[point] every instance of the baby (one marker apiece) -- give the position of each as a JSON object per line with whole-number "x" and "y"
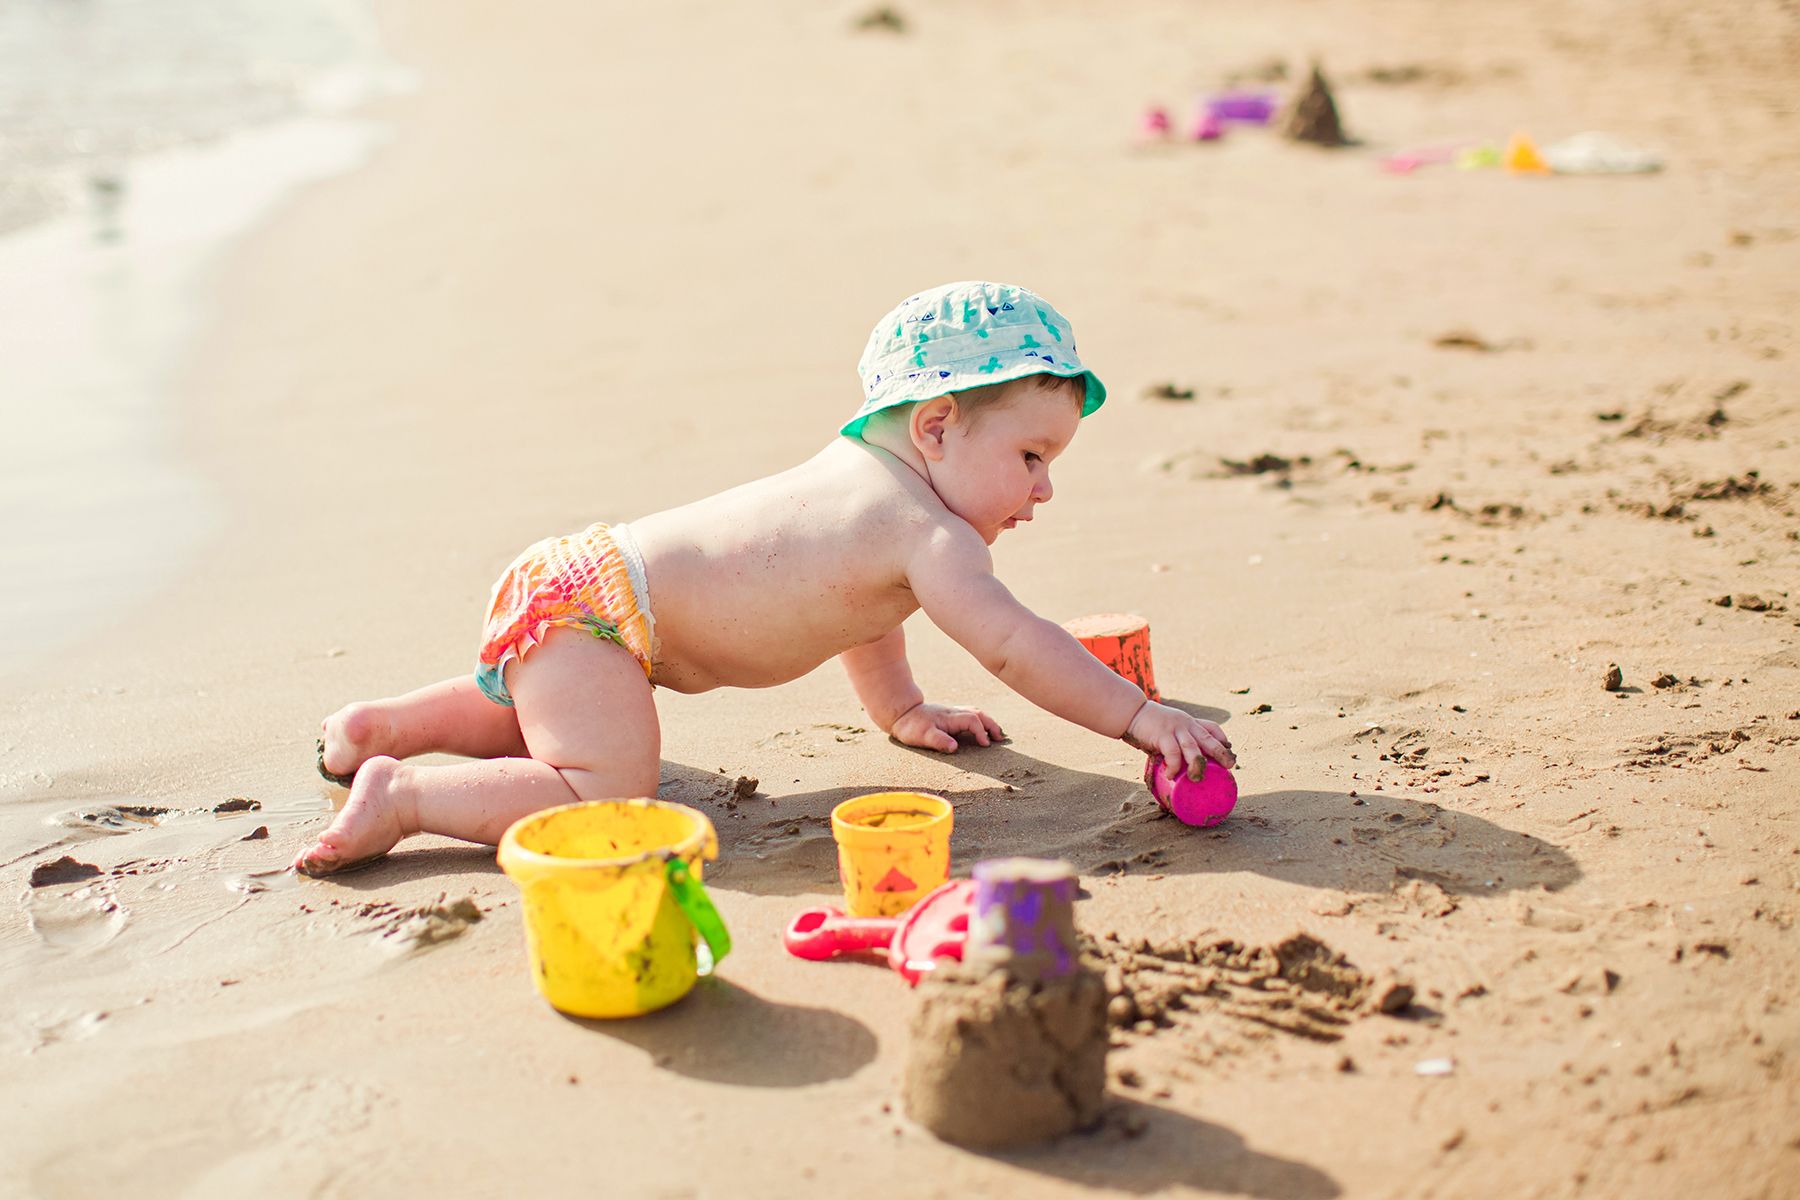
{"x": 971, "y": 391}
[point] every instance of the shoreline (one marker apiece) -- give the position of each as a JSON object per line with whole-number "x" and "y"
{"x": 91, "y": 391}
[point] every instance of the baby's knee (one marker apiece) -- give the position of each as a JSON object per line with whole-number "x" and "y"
{"x": 616, "y": 783}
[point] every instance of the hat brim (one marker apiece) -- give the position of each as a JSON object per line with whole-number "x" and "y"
{"x": 960, "y": 382}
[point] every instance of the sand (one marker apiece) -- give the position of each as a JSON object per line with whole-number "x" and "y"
{"x": 1000, "y": 1063}
{"x": 1508, "y": 432}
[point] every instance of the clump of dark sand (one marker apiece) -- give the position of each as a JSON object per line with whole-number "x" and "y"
{"x": 62, "y": 870}
{"x": 999, "y": 1062}
{"x": 424, "y": 925}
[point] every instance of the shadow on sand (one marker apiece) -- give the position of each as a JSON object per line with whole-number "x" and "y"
{"x": 1143, "y": 1148}
{"x": 1321, "y": 839}
{"x": 1374, "y": 843}
{"x": 785, "y": 1045}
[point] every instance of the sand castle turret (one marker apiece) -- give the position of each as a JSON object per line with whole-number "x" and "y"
{"x": 1313, "y": 116}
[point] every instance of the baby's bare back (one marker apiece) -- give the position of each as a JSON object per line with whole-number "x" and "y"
{"x": 760, "y": 584}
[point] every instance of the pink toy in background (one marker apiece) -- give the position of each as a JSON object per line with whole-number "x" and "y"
{"x": 1203, "y": 802}
{"x": 1206, "y": 127}
{"x": 1153, "y": 126}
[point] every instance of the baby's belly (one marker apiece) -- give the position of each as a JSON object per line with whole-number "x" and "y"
{"x": 756, "y": 651}
{"x": 684, "y": 666}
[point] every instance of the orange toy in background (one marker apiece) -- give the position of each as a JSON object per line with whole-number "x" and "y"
{"x": 1122, "y": 642}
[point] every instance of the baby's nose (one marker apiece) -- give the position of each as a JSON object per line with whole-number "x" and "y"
{"x": 1043, "y": 491}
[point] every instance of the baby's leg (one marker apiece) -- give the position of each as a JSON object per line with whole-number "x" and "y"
{"x": 451, "y": 717}
{"x": 587, "y": 715}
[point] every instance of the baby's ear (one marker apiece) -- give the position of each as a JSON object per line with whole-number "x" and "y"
{"x": 930, "y": 420}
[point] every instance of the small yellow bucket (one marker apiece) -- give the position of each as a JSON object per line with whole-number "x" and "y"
{"x": 613, "y": 903}
{"x": 893, "y": 847}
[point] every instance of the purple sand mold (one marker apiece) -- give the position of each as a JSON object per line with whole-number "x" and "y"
{"x": 1023, "y": 901}
{"x": 1251, "y": 108}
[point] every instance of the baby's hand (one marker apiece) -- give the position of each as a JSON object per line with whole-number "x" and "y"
{"x": 1179, "y": 738}
{"x": 935, "y": 726}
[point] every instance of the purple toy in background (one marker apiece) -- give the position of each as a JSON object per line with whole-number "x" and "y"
{"x": 1203, "y": 802}
{"x": 1248, "y": 108}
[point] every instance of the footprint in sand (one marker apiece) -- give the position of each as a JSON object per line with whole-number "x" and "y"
{"x": 102, "y": 819}
{"x": 801, "y": 846}
{"x": 49, "y": 1032}
{"x": 75, "y": 918}
{"x": 310, "y": 1110}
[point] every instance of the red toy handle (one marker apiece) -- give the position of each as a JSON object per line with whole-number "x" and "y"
{"x": 822, "y": 933}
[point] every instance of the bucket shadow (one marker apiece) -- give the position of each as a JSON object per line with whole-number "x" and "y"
{"x": 1204, "y": 712}
{"x": 723, "y": 1033}
{"x": 1143, "y": 1148}
{"x": 1374, "y": 843}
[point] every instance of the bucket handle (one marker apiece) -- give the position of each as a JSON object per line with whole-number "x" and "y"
{"x": 697, "y": 906}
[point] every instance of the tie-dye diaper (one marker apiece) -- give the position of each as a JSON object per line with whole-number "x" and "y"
{"x": 592, "y": 580}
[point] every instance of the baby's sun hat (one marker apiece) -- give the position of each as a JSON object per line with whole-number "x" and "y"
{"x": 965, "y": 335}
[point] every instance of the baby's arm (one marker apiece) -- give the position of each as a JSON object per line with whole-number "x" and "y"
{"x": 953, "y": 579}
{"x": 884, "y": 683}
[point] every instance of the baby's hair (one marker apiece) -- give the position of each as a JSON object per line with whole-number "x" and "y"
{"x": 972, "y": 401}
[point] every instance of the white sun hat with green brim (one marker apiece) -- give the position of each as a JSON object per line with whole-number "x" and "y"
{"x": 965, "y": 335}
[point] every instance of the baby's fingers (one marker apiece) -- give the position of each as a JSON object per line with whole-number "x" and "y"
{"x": 992, "y": 726}
{"x": 1191, "y": 753}
{"x": 1214, "y": 748}
{"x": 934, "y": 737}
{"x": 1170, "y": 749}
{"x": 972, "y": 724}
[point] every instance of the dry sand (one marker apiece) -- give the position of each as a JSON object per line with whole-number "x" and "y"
{"x": 619, "y": 255}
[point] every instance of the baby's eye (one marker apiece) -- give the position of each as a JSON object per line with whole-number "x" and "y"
{"x": 1031, "y": 457}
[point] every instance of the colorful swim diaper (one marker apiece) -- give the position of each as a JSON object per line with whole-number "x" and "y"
{"x": 592, "y": 580}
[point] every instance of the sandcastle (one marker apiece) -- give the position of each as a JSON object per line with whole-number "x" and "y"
{"x": 1009, "y": 1047}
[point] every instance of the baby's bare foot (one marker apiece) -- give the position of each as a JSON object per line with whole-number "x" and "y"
{"x": 351, "y": 736}
{"x": 373, "y": 819}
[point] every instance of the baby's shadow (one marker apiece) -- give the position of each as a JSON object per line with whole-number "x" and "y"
{"x": 1103, "y": 825}
{"x": 1143, "y": 1148}
{"x": 724, "y": 1033}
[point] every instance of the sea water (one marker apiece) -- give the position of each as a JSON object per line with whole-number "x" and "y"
{"x": 137, "y": 137}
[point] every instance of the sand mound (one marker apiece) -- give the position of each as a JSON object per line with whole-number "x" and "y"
{"x": 999, "y": 1063}
{"x": 1299, "y": 985}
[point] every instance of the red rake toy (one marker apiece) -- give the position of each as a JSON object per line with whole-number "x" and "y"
{"x": 936, "y": 927}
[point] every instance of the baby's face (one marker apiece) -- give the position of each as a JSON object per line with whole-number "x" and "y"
{"x": 995, "y": 469}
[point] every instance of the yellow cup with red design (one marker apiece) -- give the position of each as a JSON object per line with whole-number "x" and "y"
{"x": 893, "y": 848}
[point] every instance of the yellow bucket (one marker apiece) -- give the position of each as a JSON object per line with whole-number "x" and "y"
{"x": 614, "y": 902}
{"x": 893, "y": 847}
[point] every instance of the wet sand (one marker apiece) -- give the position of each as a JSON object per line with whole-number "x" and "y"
{"x": 1491, "y": 436}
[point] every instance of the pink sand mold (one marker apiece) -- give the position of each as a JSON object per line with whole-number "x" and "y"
{"x": 1407, "y": 161}
{"x": 1203, "y": 802}
{"x": 935, "y": 928}
{"x": 1206, "y": 128}
{"x": 1154, "y": 124}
